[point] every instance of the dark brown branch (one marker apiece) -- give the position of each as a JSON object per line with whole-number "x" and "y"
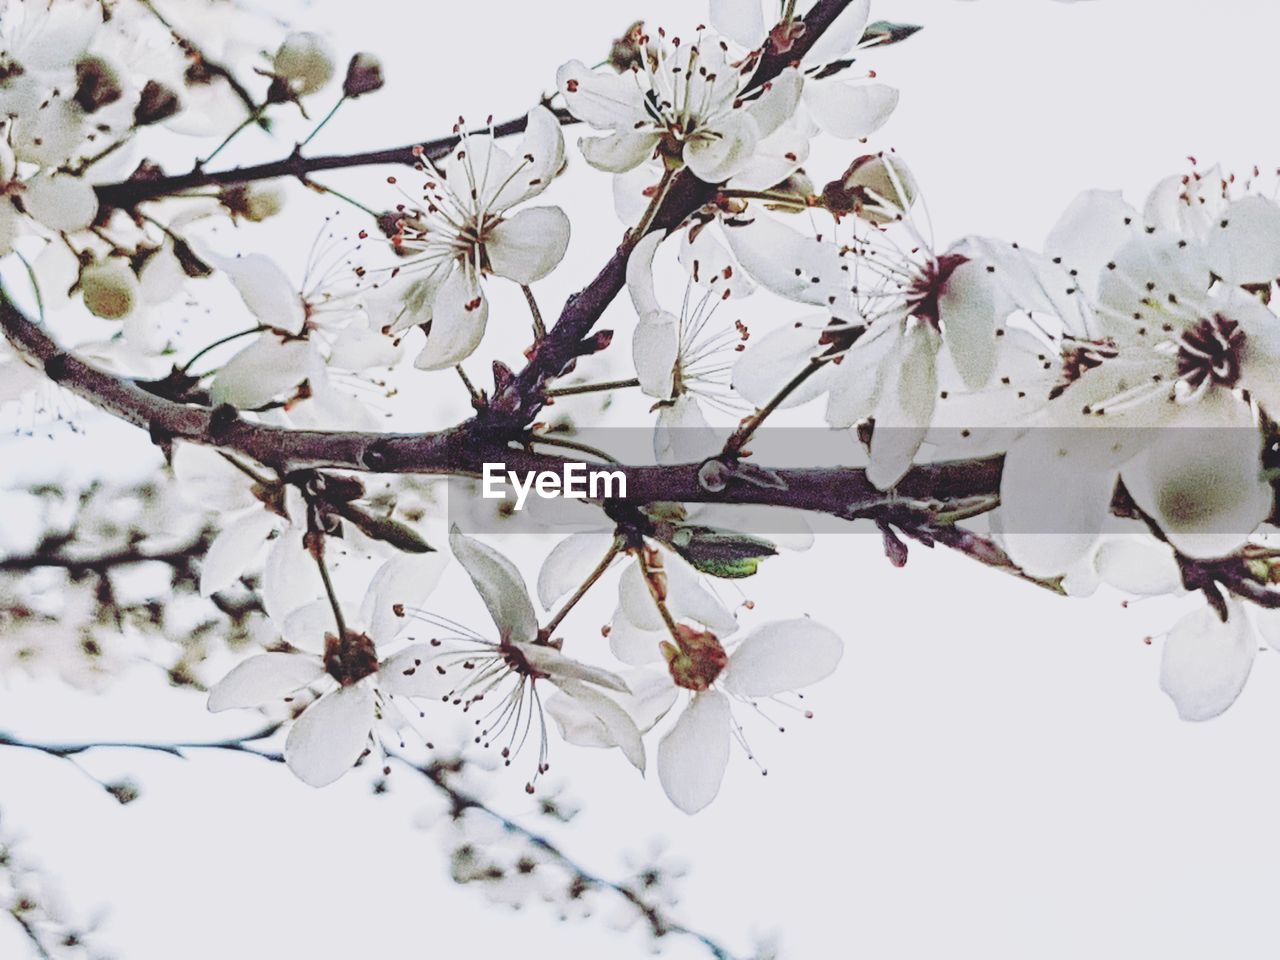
{"x": 129, "y": 193}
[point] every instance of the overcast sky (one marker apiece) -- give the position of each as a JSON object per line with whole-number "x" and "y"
{"x": 992, "y": 771}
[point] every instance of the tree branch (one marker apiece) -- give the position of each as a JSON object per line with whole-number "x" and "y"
{"x": 129, "y": 193}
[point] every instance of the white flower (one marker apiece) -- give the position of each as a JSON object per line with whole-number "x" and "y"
{"x": 465, "y": 231}
{"x": 1157, "y": 396}
{"x": 895, "y": 306}
{"x": 468, "y": 670}
{"x": 333, "y": 732}
{"x": 771, "y": 660}
{"x": 305, "y": 62}
{"x": 839, "y": 107}
{"x": 680, "y": 360}
{"x": 687, "y": 102}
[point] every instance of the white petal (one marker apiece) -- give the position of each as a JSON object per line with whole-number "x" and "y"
{"x": 60, "y": 201}
{"x": 777, "y": 104}
{"x": 655, "y": 345}
{"x": 682, "y": 433}
{"x": 399, "y": 587}
{"x": 694, "y": 753}
{"x": 790, "y": 263}
{"x": 1052, "y": 507}
{"x": 742, "y": 21}
{"x": 543, "y": 141}
{"x": 841, "y": 36}
{"x": 458, "y": 319}
{"x": 1206, "y": 662}
{"x": 1203, "y": 484}
{"x": 614, "y": 723}
{"x": 640, "y": 274}
{"x": 857, "y": 382}
{"x": 330, "y": 736}
{"x": 558, "y": 668}
{"x": 500, "y": 586}
{"x": 262, "y": 371}
{"x": 905, "y": 407}
{"x": 713, "y": 159}
{"x": 263, "y": 679}
{"x": 1086, "y": 237}
{"x": 781, "y": 656}
{"x": 529, "y": 245}
{"x": 1244, "y": 246}
{"x": 848, "y": 110}
{"x": 711, "y": 266}
{"x": 652, "y": 696}
{"x": 772, "y": 360}
{"x": 1139, "y": 564}
{"x": 265, "y": 290}
{"x": 602, "y": 98}
{"x": 689, "y": 597}
{"x": 419, "y": 671}
{"x": 634, "y": 645}
{"x": 233, "y": 549}
{"x": 307, "y": 627}
{"x": 618, "y": 152}
{"x": 290, "y": 577}
{"x": 570, "y": 563}
{"x": 357, "y": 347}
{"x": 967, "y": 307}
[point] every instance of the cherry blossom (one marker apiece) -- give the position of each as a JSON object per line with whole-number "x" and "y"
{"x": 464, "y": 230}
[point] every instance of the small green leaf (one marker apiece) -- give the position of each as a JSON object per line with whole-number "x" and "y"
{"x": 390, "y": 531}
{"x": 882, "y": 32}
{"x": 721, "y": 553}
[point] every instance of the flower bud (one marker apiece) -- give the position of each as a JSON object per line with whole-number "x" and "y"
{"x": 364, "y": 75}
{"x": 627, "y": 51}
{"x": 110, "y": 288}
{"x": 253, "y": 202}
{"x": 96, "y": 84}
{"x": 156, "y": 103}
{"x": 305, "y": 62}
{"x": 877, "y": 188}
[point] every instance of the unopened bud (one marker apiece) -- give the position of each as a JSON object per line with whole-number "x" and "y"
{"x": 364, "y": 75}
{"x": 305, "y": 62}
{"x": 110, "y": 288}
{"x": 253, "y": 202}
{"x": 626, "y": 51}
{"x": 96, "y": 84}
{"x": 877, "y": 188}
{"x": 156, "y": 103}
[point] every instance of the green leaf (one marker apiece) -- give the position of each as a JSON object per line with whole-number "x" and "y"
{"x": 721, "y": 553}
{"x": 390, "y": 531}
{"x": 882, "y": 32}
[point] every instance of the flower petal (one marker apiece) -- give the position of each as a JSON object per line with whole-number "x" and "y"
{"x": 500, "y": 587}
{"x": 841, "y": 36}
{"x": 1244, "y": 246}
{"x": 742, "y": 21}
{"x": 1206, "y": 662}
{"x": 618, "y": 152}
{"x": 905, "y": 406}
{"x": 458, "y": 318}
{"x": 60, "y": 201}
{"x": 613, "y": 724}
{"x": 265, "y": 289}
{"x": 416, "y": 671}
{"x": 777, "y": 103}
{"x": 399, "y": 587}
{"x": 713, "y": 159}
{"x": 603, "y": 99}
{"x": 655, "y": 347}
{"x": 542, "y": 153}
{"x": 262, "y": 371}
{"x": 331, "y": 735}
{"x": 782, "y": 656}
{"x": 529, "y": 245}
{"x": 1139, "y": 564}
{"x": 263, "y": 679}
{"x": 570, "y": 563}
{"x": 848, "y": 110}
{"x": 967, "y": 307}
{"x": 693, "y": 755}
{"x": 234, "y": 548}
{"x": 790, "y": 263}
{"x": 1089, "y": 232}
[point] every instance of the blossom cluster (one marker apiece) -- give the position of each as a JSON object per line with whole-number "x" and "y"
{"x": 1124, "y": 371}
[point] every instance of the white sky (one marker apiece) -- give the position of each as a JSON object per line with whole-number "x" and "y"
{"x": 992, "y": 771}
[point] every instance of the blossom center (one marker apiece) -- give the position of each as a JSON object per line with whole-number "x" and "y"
{"x": 697, "y": 660}
{"x": 1211, "y": 353}
{"x": 351, "y": 658}
{"x": 923, "y": 295}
